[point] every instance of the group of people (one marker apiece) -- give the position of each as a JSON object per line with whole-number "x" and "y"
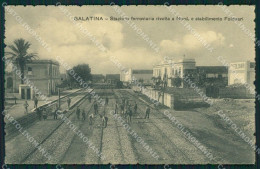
{"x": 26, "y": 105}
{"x": 83, "y": 114}
{"x": 92, "y": 115}
{"x": 127, "y": 110}
{"x": 42, "y": 112}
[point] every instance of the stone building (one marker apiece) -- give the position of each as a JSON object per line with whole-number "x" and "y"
{"x": 45, "y": 76}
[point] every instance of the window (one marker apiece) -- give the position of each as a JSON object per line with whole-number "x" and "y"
{"x": 252, "y": 65}
{"x": 29, "y": 69}
{"x": 210, "y": 75}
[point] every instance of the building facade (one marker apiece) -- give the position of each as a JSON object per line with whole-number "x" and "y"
{"x": 141, "y": 75}
{"x": 98, "y": 78}
{"x": 213, "y": 75}
{"x": 45, "y": 76}
{"x": 241, "y": 72}
{"x": 112, "y": 78}
{"x": 169, "y": 70}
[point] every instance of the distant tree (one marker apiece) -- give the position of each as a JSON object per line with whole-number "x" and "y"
{"x": 200, "y": 79}
{"x": 119, "y": 84}
{"x": 19, "y": 55}
{"x": 141, "y": 80}
{"x": 82, "y": 71}
{"x": 176, "y": 82}
{"x": 64, "y": 83}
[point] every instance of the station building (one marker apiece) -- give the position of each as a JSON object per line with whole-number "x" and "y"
{"x": 45, "y": 76}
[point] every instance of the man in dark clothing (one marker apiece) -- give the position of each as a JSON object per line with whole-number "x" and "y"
{"x": 56, "y": 114}
{"x": 35, "y": 102}
{"x": 68, "y": 101}
{"x": 106, "y": 100}
{"x": 116, "y": 108}
{"x": 89, "y": 99}
{"x": 83, "y": 115}
{"x": 129, "y": 115}
{"x": 135, "y": 107}
{"x": 104, "y": 121}
{"x": 78, "y": 112}
{"x": 91, "y": 117}
{"x": 147, "y": 112}
{"x": 95, "y": 108}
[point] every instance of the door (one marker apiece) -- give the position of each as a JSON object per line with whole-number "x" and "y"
{"x": 29, "y": 93}
{"x": 23, "y": 94}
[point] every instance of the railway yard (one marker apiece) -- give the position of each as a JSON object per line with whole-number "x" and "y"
{"x": 61, "y": 142}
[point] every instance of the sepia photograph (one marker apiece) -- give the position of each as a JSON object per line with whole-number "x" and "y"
{"x": 159, "y": 84}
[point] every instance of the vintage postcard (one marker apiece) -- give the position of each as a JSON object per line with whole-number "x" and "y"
{"x": 116, "y": 84}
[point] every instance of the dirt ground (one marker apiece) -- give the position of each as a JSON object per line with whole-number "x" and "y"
{"x": 160, "y": 133}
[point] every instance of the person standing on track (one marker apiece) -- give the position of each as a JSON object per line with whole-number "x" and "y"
{"x": 116, "y": 108}
{"x": 104, "y": 121}
{"x": 91, "y": 117}
{"x": 129, "y": 114}
{"x": 95, "y": 108}
{"x": 35, "y": 102}
{"x": 135, "y": 107}
{"x": 147, "y": 112}
{"x": 78, "y": 112}
{"x": 83, "y": 115}
{"x": 68, "y": 101}
{"x": 26, "y": 105}
{"x": 106, "y": 100}
{"x": 56, "y": 114}
{"x": 122, "y": 107}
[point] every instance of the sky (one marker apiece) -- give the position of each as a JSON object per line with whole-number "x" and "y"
{"x": 124, "y": 43}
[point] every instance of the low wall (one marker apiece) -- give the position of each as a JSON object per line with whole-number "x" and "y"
{"x": 178, "y": 98}
{"x": 235, "y": 93}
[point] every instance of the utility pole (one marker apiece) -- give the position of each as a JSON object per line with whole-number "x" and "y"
{"x": 59, "y": 97}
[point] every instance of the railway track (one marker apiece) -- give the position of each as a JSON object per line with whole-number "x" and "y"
{"x": 30, "y": 119}
{"x": 72, "y": 136}
{"x": 141, "y": 103}
{"x": 54, "y": 130}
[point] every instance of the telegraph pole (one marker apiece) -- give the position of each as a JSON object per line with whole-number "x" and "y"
{"x": 59, "y": 97}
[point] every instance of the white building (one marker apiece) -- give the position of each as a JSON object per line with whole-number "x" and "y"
{"x": 170, "y": 69}
{"x": 241, "y": 72}
{"x": 141, "y": 75}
